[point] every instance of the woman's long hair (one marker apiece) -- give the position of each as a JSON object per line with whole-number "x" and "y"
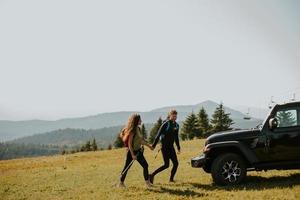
{"x": 132, "y": 123}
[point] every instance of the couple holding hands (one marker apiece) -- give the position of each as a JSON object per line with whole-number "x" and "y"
{"x": 168, "y": 134}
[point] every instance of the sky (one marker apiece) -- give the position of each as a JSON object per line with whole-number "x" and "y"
{"x": 71, "y": 58}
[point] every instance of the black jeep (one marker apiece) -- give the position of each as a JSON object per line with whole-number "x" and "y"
{"x": 273, "y": 145}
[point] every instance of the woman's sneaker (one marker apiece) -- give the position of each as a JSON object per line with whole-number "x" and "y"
{"x": 120, "y": 185}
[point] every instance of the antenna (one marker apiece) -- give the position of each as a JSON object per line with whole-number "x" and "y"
{"x": 271, "y": 102}
{"x": 294, "y": 97}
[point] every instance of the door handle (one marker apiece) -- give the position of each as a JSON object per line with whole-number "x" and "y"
{"x": 268, "y": 142}
{"x": 267, "y": 145}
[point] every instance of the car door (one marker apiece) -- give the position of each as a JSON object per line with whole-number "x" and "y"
{"x": 284, "y": 140}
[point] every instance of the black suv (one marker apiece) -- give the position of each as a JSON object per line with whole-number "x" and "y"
{"x": 273, "y": 145}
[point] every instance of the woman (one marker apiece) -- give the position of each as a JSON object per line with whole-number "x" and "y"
{"x": 135, "y": 150}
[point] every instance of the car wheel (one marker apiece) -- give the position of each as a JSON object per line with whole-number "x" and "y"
{"x": 228, "y": 169}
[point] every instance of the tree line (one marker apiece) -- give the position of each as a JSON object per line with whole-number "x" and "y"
{"x": 200, "y": 126}
{"x": 194, "y": 126}
{"x": 88, "y": 146}
{"x": 13, "y": 150}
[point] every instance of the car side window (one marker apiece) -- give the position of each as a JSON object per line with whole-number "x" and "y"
{"x": 287, "y": 118}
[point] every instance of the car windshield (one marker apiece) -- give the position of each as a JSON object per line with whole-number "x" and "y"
{"x": 260, "y": 126}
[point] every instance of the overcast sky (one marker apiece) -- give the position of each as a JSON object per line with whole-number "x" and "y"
{"x": 70, "y": 58}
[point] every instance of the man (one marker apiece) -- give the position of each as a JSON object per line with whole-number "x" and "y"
{"x": 168, "y": 134}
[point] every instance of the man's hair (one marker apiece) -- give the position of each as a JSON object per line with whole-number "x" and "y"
{"x": 173, "y": 112}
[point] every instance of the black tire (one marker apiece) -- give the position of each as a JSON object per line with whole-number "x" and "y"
{"x": 228, "y": 169}
{"x": 206, "y": 168}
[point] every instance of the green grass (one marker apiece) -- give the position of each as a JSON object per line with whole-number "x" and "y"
{"x": 92, "y": 176}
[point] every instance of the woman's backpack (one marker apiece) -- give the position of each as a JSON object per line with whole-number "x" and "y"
{"x": 124, "y": 135}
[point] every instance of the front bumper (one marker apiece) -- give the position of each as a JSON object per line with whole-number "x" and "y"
{"x": 199, "y": 161}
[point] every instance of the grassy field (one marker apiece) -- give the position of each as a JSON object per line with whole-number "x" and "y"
{"x": 92, "y": 176}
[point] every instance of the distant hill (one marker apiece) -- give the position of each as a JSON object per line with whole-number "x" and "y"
{"x": 256, "y": 112}
{"x": 15, "y": 150}
{"x": 74, "y": 137}
{"x": 54, "y": 142}
{"x": 71, "y": 137}
{"x": 16, "y": 129}
{"x": 209, "y": 106}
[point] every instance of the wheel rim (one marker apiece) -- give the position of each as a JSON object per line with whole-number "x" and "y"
{"x": 231, "y": 171}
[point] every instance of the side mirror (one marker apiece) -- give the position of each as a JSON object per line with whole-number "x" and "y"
{"x": 273, "y": 123}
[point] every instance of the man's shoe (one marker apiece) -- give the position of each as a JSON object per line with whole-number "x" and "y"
{"x": 120, "y": 185}
{"x": 151, "y": 178}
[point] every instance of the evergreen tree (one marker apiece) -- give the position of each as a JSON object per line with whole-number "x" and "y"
{"x": 63, "y": 152}
{"x": 144, "y": 132}
{"x": 94, "y": 145}
{"x": 109, "y": 147}
{"x": 190, "y": 127}
{"x": 154, "y": 130}
{"x": 286, "y": 118}
{"x": 203, "y": 123}
{"x": 88, "y": 146}
{"x": 82, "y": 148}
{"x": 221, "y": 121}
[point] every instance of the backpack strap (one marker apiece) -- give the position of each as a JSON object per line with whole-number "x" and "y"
{"x": 168, "y": 127}
{"x": 177, "y": 125}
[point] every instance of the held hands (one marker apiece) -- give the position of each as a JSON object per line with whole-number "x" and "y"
{"x": 133, "y": 157}
{"x": 148, "y": 145}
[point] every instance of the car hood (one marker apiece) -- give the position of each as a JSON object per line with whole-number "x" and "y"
{"x": 235, "y": 135}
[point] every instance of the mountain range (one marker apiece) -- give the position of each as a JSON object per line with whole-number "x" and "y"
{"x": 10, "y": 130}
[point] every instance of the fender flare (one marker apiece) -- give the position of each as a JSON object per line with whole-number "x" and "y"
{"x": 247, "y": 153}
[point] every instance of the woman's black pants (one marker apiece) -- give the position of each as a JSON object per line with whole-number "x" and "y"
{"x": 141, "y": 159}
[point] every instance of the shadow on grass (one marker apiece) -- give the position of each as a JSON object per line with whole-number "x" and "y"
{"x": 178, "y": 192}
{"x": 251, "y": 183}
{"x": 256, "y": 183}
